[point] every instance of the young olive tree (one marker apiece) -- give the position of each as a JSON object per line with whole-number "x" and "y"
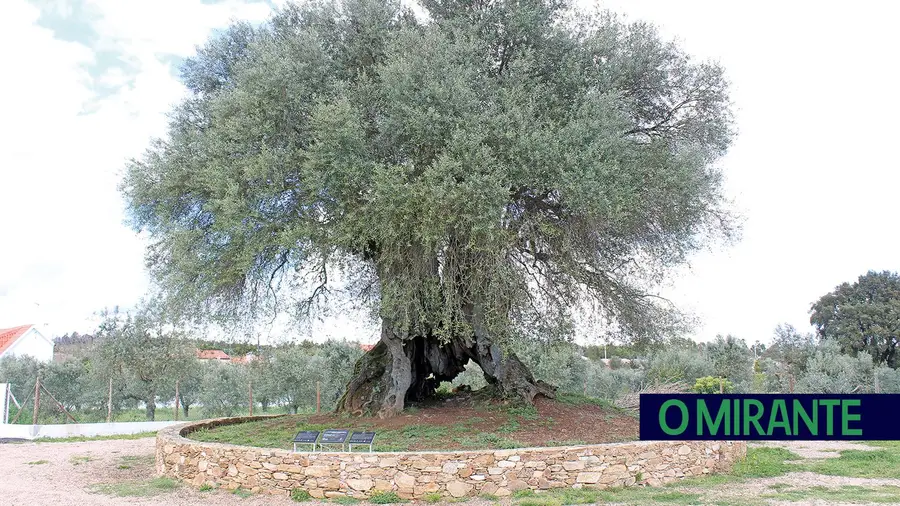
{"x": 473, "y": 175}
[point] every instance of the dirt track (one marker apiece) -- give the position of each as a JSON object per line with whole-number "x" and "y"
{"x": 73, "y": 470}
{"x": 70, "y": 473}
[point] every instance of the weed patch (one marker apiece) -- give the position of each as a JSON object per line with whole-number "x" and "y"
{"x": 146, "y": 488}
{"x": 883, "y": 463}
{"x": 300, "y": 495}
{"x": 385, "y": 498}
{"x": 764, "y": 463}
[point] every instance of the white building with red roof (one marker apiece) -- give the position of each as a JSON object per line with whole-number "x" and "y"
{"x": 213, "y": 355}
{"x": 25, "y": 341}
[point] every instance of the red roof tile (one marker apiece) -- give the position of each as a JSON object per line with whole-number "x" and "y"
{"x": 9, "y": 336}
{"x": 212, "y": 355}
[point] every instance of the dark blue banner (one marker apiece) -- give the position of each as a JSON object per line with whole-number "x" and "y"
{"x": 803, "y": 417}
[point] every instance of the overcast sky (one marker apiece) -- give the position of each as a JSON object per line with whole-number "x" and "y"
{"x": 813, "y": 170}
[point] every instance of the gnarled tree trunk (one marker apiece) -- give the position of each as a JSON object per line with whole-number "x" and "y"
{"x": 398, "y": 370}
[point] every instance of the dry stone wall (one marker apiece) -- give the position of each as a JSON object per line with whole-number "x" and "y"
{"x": 416, "y": 474}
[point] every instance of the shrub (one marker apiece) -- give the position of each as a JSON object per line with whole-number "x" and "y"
{"x": 679, "y": 365}
{"x": 711, "y": 385}
{"x": 830, "y": 371}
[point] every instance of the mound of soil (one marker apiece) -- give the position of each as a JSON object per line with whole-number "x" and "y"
{"x": 461, "y": 422}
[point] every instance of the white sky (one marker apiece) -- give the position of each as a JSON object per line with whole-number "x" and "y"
{"x": 814, "y": 171}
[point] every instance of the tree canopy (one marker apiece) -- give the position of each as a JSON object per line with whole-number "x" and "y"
{"x": 473, "y": 174}
{"x": 862, "y": 316}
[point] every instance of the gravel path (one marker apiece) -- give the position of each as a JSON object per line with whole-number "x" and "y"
{"x": 816, "y": 449}
{"x": 49, "y": 474}
{"x": 72, "y": 470}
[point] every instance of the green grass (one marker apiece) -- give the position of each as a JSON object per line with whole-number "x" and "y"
{"x": 277, "y": 433}
{"x": 764, "y": 463}
{"x": 82, "y": 439}
{"x": 346, "y": 500}
{"x": 242, "y": 493}
{"x": 146, "y": 488}
{"x": 300, "y": 495}
{"x": 883, "y": 463}
{"x": 206, "y": 487}
{"x": 77, "y": 460}
{"x": 629, "y": 495}
{"x": 385, "y": 498}
{"x": 38, "y": 462}
{"x": 845, "y": 494}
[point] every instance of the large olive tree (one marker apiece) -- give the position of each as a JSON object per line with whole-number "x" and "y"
{"x": 475, "y": 173}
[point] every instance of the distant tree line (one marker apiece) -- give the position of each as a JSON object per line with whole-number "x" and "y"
{"x": 137, "y": 360}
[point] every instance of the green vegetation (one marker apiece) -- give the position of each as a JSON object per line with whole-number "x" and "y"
{"x": 711, "y": 385}
{"x": 385, "y": 498}
{"x": 206, "y": 487}
{"x": 764, "y": 462}
{"x": 80, "y": 459}
{"x": 242, "y": 493}
{"x": 277, "y": 432}
{"x": 884, "y": 463}
{"x": 432, "y": 498}
{"x": 487, "y": 109}
{"x": 81, "y": 439}
{"x": 146, "y": 488}
{"x": 346, "y": 500}
{"x": 300, "y": 495}
{"x": 38, "y": 462}
{"x": 844, "y": 494}
{"x": 629, "y": 495}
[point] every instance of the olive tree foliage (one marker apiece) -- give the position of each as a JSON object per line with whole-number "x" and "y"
{"x": 863, "y": 316}
{"x": 731, "y": 359}
{"x": 297, "y": 372}
{"x": 831, "y": 371}
{"x": 142, "y": 354}
{"x": 789, "y": 355}
{"x": 679, "y": 365}
{"x": 471, "y": 177}
{"x": 224, "y": 389}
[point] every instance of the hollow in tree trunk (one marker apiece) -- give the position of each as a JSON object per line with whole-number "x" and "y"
{"x": 399, "y": 370}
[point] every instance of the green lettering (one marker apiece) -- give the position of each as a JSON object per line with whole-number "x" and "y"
{"x": 737, "y": 417}
{"x": 846, "y": 417}
{"x": 829, "y": 415}
{"x": 662, "y": 417}
{"x": 811, "y": 423}
{"x": 754, "y": 418}
{"x": 703, "y": 416}
{"x": 779, "y": 407}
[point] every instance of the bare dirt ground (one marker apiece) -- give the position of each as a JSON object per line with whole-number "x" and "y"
{"x": 89, "y": 473}
{"x": 50, "y": 474}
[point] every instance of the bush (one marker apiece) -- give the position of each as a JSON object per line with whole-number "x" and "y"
{"x": 711, "y": 385}
{"x": 679, "y": 365}
{"x": 831, "y": 372}
{"x": 610, "y": 384}
{"x": 888, "y": 380}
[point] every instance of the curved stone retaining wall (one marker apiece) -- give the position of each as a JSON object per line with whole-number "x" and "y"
{"x": 451, "y": 473}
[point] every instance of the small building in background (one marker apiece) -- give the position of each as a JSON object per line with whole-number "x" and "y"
{"x": 214, "y": 355}
{"x": 25, "y": 341}
{"x": 244, "y": 360}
